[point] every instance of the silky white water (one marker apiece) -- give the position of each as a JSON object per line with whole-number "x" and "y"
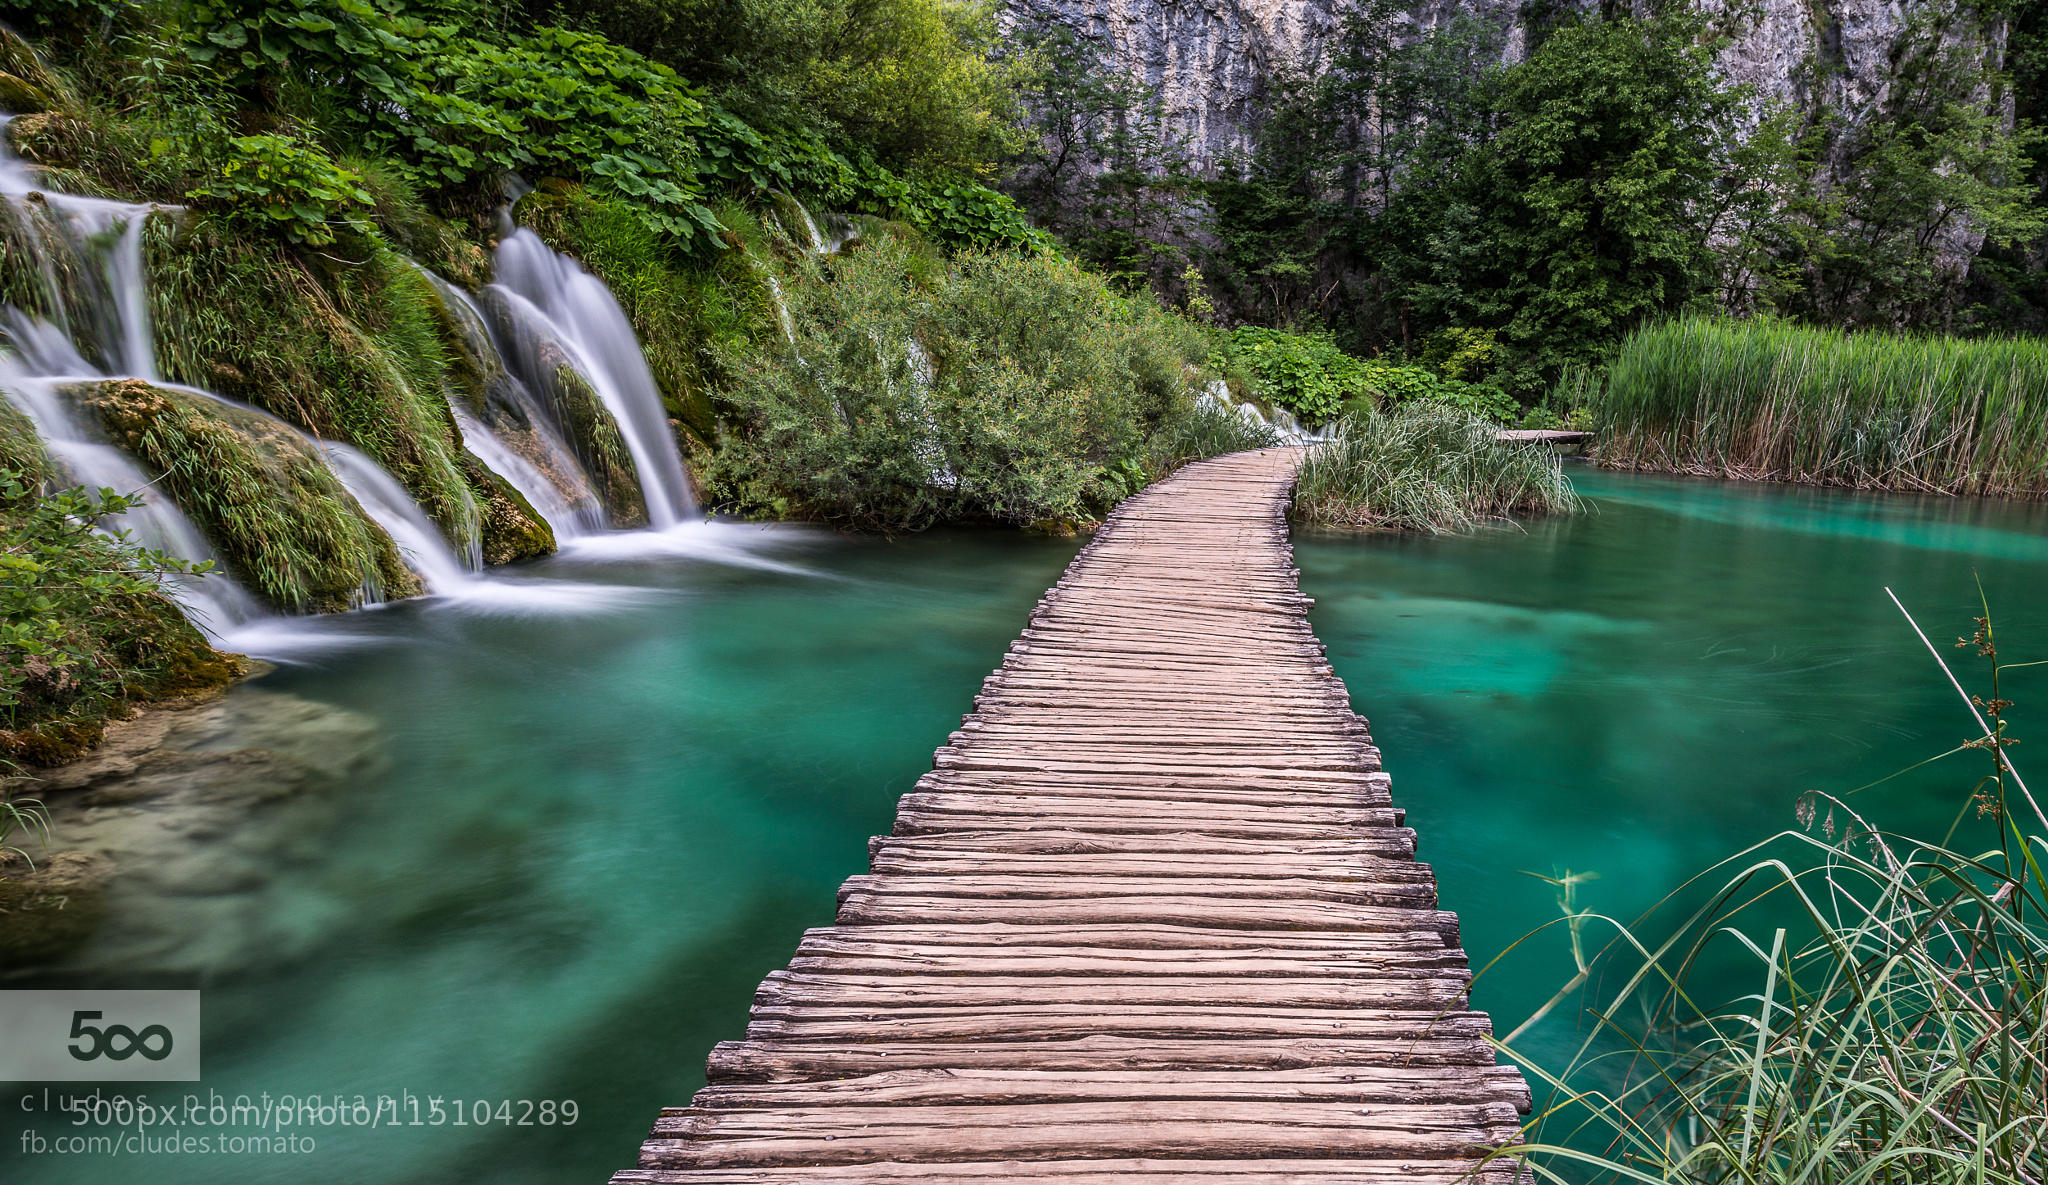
{"x": 559, "y": 303}
{"x": 569, "y": 512}
{"x": 101, "y": 244}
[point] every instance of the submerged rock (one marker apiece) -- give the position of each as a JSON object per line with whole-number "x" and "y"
{"x": 166, "y": 841}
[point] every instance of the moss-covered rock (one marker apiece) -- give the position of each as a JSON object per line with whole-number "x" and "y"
{"x": 512, "y": 529}
{"x": 348, "y": 350}
{"x": 21, "y": 96}
{"x": 594, "y": 435}
{"x": 262, "y": 495}
{"x": 21, "y": 450}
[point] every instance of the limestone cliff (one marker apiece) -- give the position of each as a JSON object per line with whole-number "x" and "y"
{"x": 1210, "y": 61}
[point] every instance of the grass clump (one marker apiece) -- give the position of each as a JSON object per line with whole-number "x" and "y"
{"x": 1771, "y": 400}
{"x": 1426, "y": 466}
{"x": 280, "y": 518}
{"x": 1895, "y": 1033}
{"x": 86, "y": 624}
{"x": 990, "y": 386}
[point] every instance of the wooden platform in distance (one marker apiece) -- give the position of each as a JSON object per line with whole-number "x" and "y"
{"x": 1152, "y": 919}
{"x": 1553, "y": 436}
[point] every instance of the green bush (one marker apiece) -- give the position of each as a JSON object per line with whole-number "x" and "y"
{"x": 288, "y": 186}
{"x": 1305, "y": 373}
{"x": 1391, "y": 383}
{"x": 1426, "y": 466}
{"x": 999, "y": 387}
{"x": 85, "y": 624}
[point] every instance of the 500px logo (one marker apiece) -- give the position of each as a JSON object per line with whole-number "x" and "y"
{"x": 117, "y": 1041}
{"x": 99, "y": 1036}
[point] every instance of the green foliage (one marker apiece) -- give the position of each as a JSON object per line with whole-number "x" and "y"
{"x": 458, "y": 111}
{"x": 85, "y": 619}
{"x": 288, "y": 186}
{"x": 914, "y": 85}
{"x": 1392, "y": 383}
{"x": 1304, "y": 373}
{"x": 1426, "y": 467}
{"x": 997, "y": 386}
{"x": 1769, "y": 399}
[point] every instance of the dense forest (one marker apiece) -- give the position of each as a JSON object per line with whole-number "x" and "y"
{"x": 1506, "y": 215}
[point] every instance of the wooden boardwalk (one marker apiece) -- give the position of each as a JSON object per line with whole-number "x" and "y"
{"x": 1153, "y": 916}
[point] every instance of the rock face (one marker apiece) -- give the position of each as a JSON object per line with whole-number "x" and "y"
{"x": 1211, "y": 62}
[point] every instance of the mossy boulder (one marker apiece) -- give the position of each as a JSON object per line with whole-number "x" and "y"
{"x": 512, "y": 529}
{"x": 349, "y": 350}
{"x": 259, "y": 491}
{"x": 21, "y": 96}
{"x": 594, "y": 435}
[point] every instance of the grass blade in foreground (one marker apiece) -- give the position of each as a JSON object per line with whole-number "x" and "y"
{"x": 1896, "y": 1034}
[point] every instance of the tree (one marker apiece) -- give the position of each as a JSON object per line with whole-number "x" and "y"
{"x": 1937, "y": 168}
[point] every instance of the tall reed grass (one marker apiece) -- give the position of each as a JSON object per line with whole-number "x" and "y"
{"x": 1774, "y": 401}
{"x": 1426, "y": 466}
{"x": 1895, "y": 1032}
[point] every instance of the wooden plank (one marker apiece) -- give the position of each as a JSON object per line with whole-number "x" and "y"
{"x": 1153, "y": 917}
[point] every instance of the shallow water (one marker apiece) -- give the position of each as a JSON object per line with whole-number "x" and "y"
{"x": 594, "y": 821}
{"x": 1646, "y": 689}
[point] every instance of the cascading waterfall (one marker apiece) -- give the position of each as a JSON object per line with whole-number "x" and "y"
{"x": 552, "y": 481}
{"x": 550, "y": 300}
{"x": 98, "y": 305}
{"x": 419, "y": 541}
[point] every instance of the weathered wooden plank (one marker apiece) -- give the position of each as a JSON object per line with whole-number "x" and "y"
{"x": 782, "y": 1061}
{"x": 1136, "y": 1171}
{"x": 1152, "y": 918}
{"x": 1360, "y": 1084}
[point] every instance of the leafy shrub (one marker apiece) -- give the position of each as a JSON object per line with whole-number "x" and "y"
{"x": 1426, "y": 466}
{"x": 1004, "y": 387}
{"x": 1391, "y": 383}
{"x": 286, "y": 185}
{"x": 1304, "y": 373}
{"x": 85, "y": 623}
{"x": 461, "y": 111}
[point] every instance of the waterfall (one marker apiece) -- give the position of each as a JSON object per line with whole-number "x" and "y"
{"x": 552, "y": 481}
{"x": 425, "y": 549}
{"x": 551, "y": 299}
{"x": 1283, "y": 422}
{"x": 104, "y": 314}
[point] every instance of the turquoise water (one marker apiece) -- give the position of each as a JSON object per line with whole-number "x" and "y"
{"x": 592, "y": 833}
{"x": 1645, "y": 690}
